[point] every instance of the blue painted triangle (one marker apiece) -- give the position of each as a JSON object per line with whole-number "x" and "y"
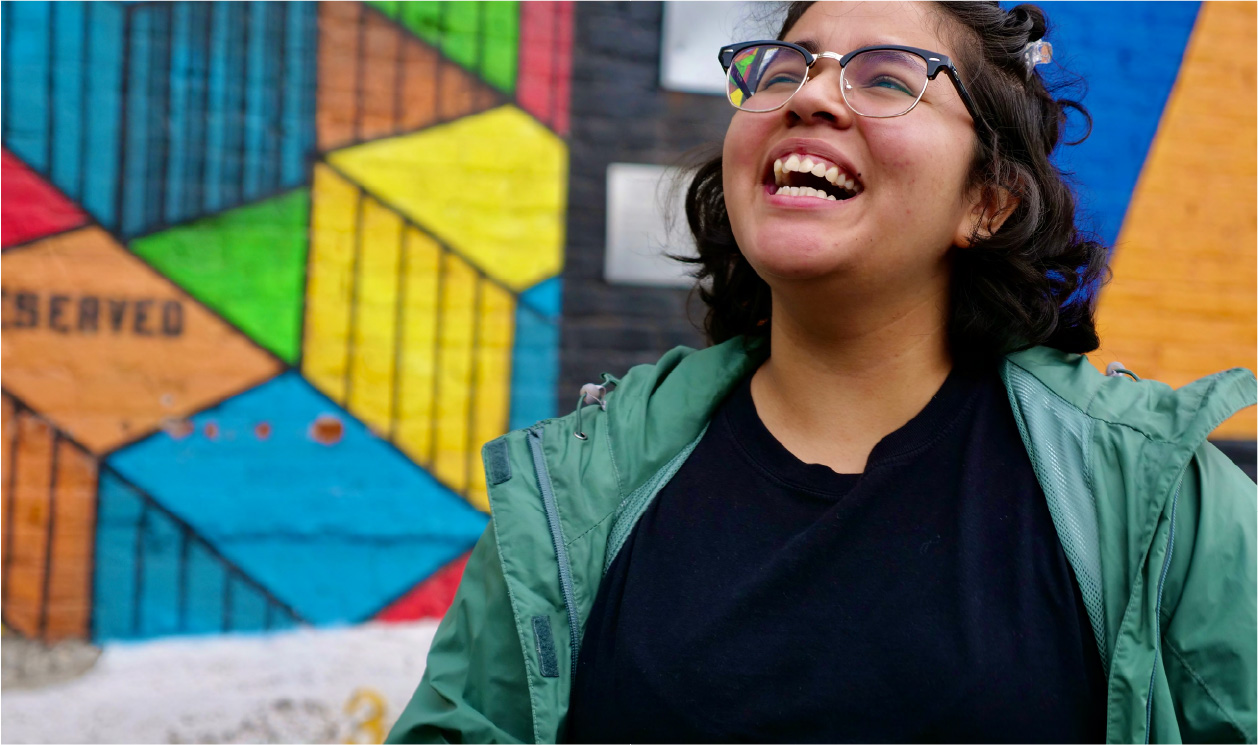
{"x": 1129, "y": 54}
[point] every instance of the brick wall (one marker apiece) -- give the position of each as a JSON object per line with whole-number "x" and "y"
{"x": 620, "y": 114}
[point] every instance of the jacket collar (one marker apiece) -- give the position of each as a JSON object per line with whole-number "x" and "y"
{"x": 657, "y": 410}
{"x": 1186, "y": 415}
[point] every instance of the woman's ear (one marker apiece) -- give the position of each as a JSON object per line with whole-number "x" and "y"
{"x": 989, "y": 208}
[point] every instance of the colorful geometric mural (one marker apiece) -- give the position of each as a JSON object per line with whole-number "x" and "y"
{"x": 253, "y": 337}
{"x": 272, "y": 272}
{"x": 1182, "y": 304}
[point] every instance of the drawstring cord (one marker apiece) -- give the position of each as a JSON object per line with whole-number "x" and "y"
{"x": 592, "y": 393}
{"x": 1115, "y": 369}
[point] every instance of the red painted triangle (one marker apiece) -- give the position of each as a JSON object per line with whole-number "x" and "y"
{"x": 30, "y": 207}
{"x": 430, "y": 598}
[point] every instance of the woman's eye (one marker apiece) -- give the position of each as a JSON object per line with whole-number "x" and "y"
{"x": 890, "y": 84}
{"x": 779, "y": 80}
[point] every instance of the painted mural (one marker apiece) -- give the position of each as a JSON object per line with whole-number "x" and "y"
{"x": 272, "y": 272}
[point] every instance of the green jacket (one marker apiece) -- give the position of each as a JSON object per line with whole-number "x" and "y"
{"x": 1157, "y": 524}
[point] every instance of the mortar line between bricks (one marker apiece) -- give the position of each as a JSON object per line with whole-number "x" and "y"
{"x": 90, "y": 621}
{"x": 120, "y": 177}
{"x": 227, "y": 602}
{"x": 360, "y": 63}
{"x": 278, "y": 98}
{"x": 9, "y": 507}
{"x": 185, "y": 544}
{"x": 552, "y": 94}
{"x": 399, "y": 80}
{"x": 196, "y": 192}
{"x": 399, "y": 322}
{"x": 50, "y": 152}
{"x": 442, "y": 259}
{"x": 54, "y": 463}
{"x": 6, "y": 8}
{"x": 137, "y": 586}
{"x": 478, "y": 319}
{"x": 351, "y": 340}
{"x": 84, "y": 88}
{"x": 247, "y": 10}
{"x": 438, "y": 111}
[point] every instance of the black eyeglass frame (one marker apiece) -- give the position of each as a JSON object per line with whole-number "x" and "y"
{"x": 934, "y": 63}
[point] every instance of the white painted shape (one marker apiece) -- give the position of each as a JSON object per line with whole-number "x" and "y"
{"x": 290, "y": 686}
{"x": 646, "y": 221}
{"x": 693, "y": 32}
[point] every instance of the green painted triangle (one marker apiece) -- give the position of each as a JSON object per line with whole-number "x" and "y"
{"x": 247, "y": 263}
{"x": 482, "y": 37}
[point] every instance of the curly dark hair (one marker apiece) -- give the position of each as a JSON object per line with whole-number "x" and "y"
{"x": 1032, "y": 281}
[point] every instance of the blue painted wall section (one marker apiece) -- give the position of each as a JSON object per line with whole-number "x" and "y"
{"x": 1129, "y": 53}
{"x": 156, "y": 576}
{"x": 347, "y": 523}
{"x": 151, "y": 114}
{"x": 535, "y": 356}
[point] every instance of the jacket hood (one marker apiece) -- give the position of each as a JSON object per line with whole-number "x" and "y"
{"x": 1185, "y": 415}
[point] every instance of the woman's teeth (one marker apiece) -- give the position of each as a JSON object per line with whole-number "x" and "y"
{"x": 818, "y": 168}
{"x": 804, "y": 191}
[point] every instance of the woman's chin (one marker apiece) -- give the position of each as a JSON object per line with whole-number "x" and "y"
{"x": 796, "y": 263}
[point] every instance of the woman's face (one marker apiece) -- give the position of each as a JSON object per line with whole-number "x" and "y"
{"x": 910, "y": 171}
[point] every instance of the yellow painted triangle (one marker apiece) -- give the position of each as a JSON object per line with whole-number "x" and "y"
{"x": 492, "y": 185}
{"x": 1182, "y": 302}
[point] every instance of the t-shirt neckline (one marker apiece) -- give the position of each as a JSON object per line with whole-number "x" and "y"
{"x": 764, "y": 450}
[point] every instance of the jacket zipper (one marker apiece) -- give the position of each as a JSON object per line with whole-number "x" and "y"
{"x": 1157, "y": 616}
{"x": 556, "y": 535}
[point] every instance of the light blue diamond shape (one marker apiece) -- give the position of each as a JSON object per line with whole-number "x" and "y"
{"x": 336, "y": 531}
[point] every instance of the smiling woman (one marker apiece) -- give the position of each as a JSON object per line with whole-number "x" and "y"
{"x": 893, "y": 501}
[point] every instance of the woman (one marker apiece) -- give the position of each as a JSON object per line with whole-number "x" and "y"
{"x": 892, "y": 502}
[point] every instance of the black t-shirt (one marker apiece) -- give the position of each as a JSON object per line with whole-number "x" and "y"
{"x": 760, "y": 598}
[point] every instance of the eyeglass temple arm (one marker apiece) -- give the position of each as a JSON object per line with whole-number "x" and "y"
{"x": 966, "y": 99}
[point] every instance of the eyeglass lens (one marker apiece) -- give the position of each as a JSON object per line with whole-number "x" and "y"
{"x": 878, "y": 82}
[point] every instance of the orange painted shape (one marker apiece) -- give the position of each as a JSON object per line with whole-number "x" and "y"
{"x": 1182, "y": 303}
{"x": 73, "y": 542}
{"x": 8, "y": 431}
{"x": 107, "y": 349}
{"x": 48, "y": 568}
{"x": 376, "y": 79}
{"x": 25, "y": 558}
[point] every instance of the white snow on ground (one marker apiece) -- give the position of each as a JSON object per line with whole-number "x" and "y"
{"x": 303, "y": 686}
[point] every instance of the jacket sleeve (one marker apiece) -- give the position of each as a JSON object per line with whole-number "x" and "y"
{"x": 1210, "y": 648}
{"x": 474, "y": 687}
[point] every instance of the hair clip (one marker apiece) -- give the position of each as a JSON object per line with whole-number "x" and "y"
{"x": 1036, "y": 53}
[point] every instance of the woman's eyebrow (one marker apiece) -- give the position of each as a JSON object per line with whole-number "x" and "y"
{"x": 812, "y": 46}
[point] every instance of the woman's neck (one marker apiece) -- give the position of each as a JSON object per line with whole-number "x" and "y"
{"x": 838, "y": 382}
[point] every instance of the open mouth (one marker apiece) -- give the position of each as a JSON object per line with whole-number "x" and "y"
{"x": 811, "y": 176}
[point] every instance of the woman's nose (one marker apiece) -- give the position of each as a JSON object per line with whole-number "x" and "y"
{"x": 821, "y": 97}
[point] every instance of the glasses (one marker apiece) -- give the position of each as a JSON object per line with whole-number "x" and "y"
{"x": 878, "y": 82}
